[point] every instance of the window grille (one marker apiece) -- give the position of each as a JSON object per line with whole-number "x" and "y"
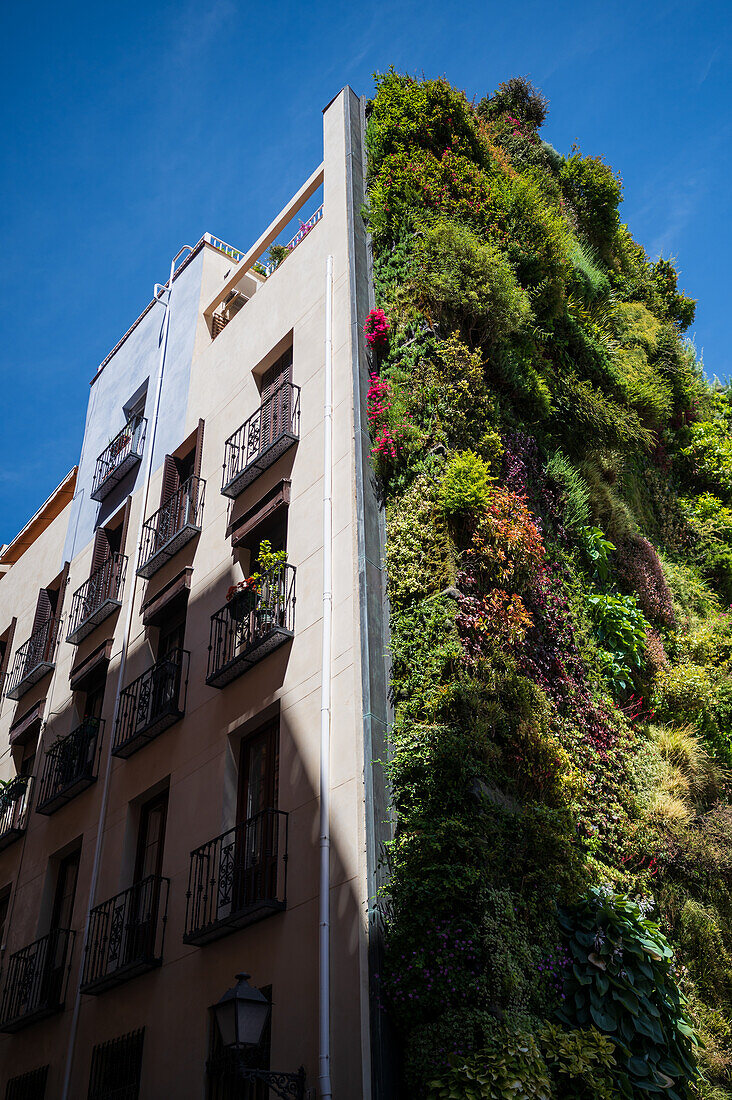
{"x": 116, "y": 1068}
{"x": 28, "y": 1086}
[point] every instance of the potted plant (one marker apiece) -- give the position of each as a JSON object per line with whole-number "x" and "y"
{"x": 269, "y": 564}
{"x": 118, "y": 443}
{"x": 241, "y": 599}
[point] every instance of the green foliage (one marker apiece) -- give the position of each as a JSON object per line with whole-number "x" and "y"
{"x": 516, "y": 96}
{"x": 575, "y": 492}
{"x": 621, "y": 632}
{"x": 468, "y": 284}
{"x": 597, "y": 549}
{"x": 524, "y": 766}
{"x": 622, "y": 981}
{"x": 582, "y": 1062}
{"x": 509, "y": 1068}
{"x": 594, "y": 193}
{"x": 465, "y": 486}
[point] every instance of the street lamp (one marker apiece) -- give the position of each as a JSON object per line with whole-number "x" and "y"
{"x": 241, "y": 1017}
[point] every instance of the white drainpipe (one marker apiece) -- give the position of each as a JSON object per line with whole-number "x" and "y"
{"x": 150, "y": 444}
{"x": 325, "y": 703}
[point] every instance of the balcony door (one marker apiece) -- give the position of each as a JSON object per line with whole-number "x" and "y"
{"x": 275, "y": 413}
{"x": 145, "y": 894}
{"x": 61, "y": 918}
{"x": 257, "y": 831}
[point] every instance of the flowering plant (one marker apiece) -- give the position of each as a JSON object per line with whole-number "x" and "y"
{"x": 376, "y": 330}
{"x": 248, "y": 585}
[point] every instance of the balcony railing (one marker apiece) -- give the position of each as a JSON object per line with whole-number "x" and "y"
{"x": 172, "y": 526}
{"x": 262, "y": 439}
{"x": 268, "y": 268}
{"x": 151, "y": 703}
{"x": 15, "y": 801}
{"x": 70, "y": 766}
{"x": 119, "y": 457}
{"x": 238, "y": 878}
{"x": 97, "y": 598}
{"x": 34, "y": 659}
{"x": 36, "y": 980}
{"x": 126, "y": 935}
{"x": 252, "y": 625}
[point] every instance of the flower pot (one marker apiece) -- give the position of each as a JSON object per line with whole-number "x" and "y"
{"x": 265, "y": 620}
{"x": 240, "y": 605}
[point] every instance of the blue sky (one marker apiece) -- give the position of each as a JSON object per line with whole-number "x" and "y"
{"x": 132, "y": 128}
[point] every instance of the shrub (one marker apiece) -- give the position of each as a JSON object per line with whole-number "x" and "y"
{"x": 639, "y": 569}
{"x": 518, "y": 97}
{"x": 509, "y": 1066}
{"x": 594, "y": 192}
{"x": 420, "y": 558}
{"x": 468, "y": 284}
{"x": 506, "y": 547}
{"x": 621, "y": 631}
{"x": 581, "y": 1062}
{"x": 622, "y": 981}
{"x": 465, "y": 486}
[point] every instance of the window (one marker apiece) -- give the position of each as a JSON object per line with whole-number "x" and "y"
{"x": 65, "y": 892}
{"x": 275, "y": 389}
{"x": 29, "y": 1086}
{"x": 4, "y": 908}
{"x": 258, "y": 772}
{"x": 151, "y": 837}
{"x": 183, "y": 464}
{"x": 223, "y": 1080}
{"x": 116, "y": 1068}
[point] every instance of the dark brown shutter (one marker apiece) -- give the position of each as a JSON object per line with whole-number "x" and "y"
{"x": 171, "y": 480}
{"x": 125, "y": 525}
{"x": 102, "y": 550}
{"x": 274, "y": 418}
{"x": 8, "y": 643}
{"x": 199, "y": 450}
{"x": 62, "y": 588}
{"x": 43, "y": 610}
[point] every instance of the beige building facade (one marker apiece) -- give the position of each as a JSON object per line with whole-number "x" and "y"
{"x": 189, "y": 725}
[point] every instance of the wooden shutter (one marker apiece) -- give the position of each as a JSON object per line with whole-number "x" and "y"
{"x": 44, "y": 610}
{"x": 125, "y": 525}
{"x": 274, "y": 417}
{"x": 171, "y": 480}
{"x": 102, "y": 550}
{"x": 199, "y": 450}
{"x": 8, "y": 643}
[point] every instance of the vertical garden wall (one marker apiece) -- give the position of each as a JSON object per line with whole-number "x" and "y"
{"x": 557, "y": 477}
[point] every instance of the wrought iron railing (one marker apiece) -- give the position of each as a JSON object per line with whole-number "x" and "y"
{"x": 172, "y": 526}
{"x": 97, "y": 598}
{"x": 237, "y": 878}
{"x": 36, "y": 980}
{"x": 15, "y": 801}
{"x": 34, "y": 659}
{"x": 251, "y": 625}
{"x": 70, "y": 765}
{"x": 151, "y": 703}
{"x": 28, "y": 1086}
{"x": 126, "y": 935}
{"x": 118, "y": 457}
{"x": 261, "y": 439}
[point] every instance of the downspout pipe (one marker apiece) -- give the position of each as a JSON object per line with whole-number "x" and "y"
{"x": 325, "y": 1090}
{"x": 153, "y": 422}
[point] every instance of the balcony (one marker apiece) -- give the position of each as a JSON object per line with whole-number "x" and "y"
{"x": 15, "y": 801}
{"x": 172, "y": 526}
{"x": 35, "y": 986}
{"x": 70, "y": 766}
{"x": 119, "y": 457}
{"x": 126, "y": 935}
{"x": 151, "y": 703}
{"x": 34, "y": 659}
{"x": 262, "y": 439}
{"x": 97, "y": 598}
{"x": 238, "y": 878}
{"x": 251, "y": 626}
